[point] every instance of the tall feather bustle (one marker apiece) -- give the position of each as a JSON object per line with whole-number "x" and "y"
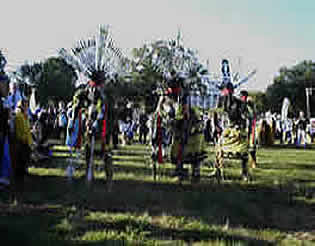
{"x": 97, "y": 59}
{"x": 176, "y": 63}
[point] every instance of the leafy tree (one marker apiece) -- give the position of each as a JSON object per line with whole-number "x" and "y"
{"x": 27, "y": 76}
{"x": 291, "y": 83}
{"x": 57, "y": 81}
{"x": 145, "y": 78}
{"x": 260, "y": 100}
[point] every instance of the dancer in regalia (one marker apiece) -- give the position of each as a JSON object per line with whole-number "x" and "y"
{"x": 238, "y": 139}
{"x": 178, "y": 72}
{"x": 234, "y": 139}
{"x": 189, "y": 143}
{"x": 102, "y": 66}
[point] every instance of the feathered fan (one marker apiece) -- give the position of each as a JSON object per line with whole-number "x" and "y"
{"x": 97, "y": 59}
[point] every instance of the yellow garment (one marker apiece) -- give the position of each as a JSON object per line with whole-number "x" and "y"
{"x": 233, "y": 141}
{"x": 22, "y": 129}
{"x": 99, "y": 106}
{"x": 195, "y": 146}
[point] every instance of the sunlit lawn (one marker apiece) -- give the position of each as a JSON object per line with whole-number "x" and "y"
{"x": 276, "y": 208}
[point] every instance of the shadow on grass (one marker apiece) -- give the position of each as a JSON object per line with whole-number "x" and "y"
{"x": 251, "y": 206}
{"x": 41, "y": 226}
{"x": 290, "y": 146}
{"x": 155, "y": 232}
{"x": 120, "y": 165}
{"x": 310, "y": 167}
{"x": 35, "y": 228}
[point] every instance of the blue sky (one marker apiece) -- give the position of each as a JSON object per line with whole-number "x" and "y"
{"x": 260, "y": 34}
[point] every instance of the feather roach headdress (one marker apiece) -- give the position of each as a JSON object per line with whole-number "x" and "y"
{"x": 97, "y": 59}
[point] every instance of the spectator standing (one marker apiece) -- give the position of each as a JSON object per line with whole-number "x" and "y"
{"x": 301, "y": 125}
{"x": 62, "y": 122}
{"x": 143, "y": 131}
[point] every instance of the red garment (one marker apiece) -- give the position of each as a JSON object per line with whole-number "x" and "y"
{"x": 160, "y": 156}
{"x": 253, "y": 130}
{"x": 104, "y": 125}
{"x": 93, "y": 84}
{"x": 173, "y": 90}
{"x": 104, "y": 130}
{"x": 180, "y": 154}
{"x": 226, "y": 91}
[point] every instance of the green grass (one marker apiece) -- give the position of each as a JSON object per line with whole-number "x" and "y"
{"x": 276, "y": 208}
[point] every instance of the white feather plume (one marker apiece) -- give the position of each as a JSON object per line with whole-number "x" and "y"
{"x": 97, "y": 58}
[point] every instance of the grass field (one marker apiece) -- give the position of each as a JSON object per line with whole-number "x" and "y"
{"x": 276, "y": 208}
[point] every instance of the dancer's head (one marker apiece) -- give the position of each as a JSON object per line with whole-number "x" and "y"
{"x": 244, "y": 96}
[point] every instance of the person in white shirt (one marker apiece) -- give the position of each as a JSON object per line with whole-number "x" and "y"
{"x": 14, "y": 97}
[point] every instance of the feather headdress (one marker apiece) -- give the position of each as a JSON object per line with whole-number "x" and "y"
{"x": 178, "y": 65}
{"x": 234, "y": 80}
{"x": 97, "y": 59}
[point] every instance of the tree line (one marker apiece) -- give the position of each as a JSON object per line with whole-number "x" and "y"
{"x": 291, "y": 83}
{"x": 55, "y": 80}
